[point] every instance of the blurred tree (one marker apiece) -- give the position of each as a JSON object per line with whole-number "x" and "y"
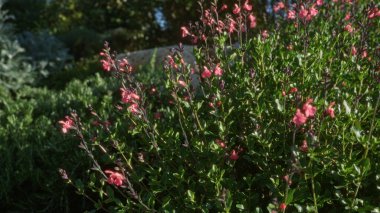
{"x": 128, "y": 24}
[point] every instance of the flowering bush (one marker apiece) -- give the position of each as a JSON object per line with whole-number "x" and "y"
{"x": 279, "y": 119}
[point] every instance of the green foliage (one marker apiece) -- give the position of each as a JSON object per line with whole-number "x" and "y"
{"x": 14, "y": 69}
{"x": 31, "y": 150}
{"x": 236, "y": 142}
{"x": 45, "y": 51}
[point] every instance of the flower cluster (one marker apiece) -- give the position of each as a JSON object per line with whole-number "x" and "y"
{"x": 218, "y": 71}
{"x": 241, "y": 19}
{"x": 66, "y": 124}
{"x": 115, "y": 178}
{"x": 307, "y": 111}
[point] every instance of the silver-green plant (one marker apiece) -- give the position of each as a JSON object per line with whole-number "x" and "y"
{"x": 14, "y": 70}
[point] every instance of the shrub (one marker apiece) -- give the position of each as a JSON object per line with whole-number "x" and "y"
{"x": 30, "y": 153}
{"x": 14, "y": 69}
{"x": 45, "y": 51}
{"x": 287, "y": 120}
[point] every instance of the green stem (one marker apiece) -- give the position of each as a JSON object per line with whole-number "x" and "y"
{"x": 366, "y": 151}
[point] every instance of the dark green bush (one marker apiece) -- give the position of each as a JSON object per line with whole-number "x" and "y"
{"x": 31, "y": 150}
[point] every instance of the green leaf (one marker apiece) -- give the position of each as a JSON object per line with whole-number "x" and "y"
{"x": 279, "y": 106}
{"x": 240, "y": 206}
{"x": 191, "y": 195}
{"x": 346, "y": 107}
{"x": 289, "y": 198}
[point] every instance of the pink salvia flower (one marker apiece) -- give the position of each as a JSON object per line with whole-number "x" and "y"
{"x": 373, "y": 13}
{"x": 223, "y": 8}
{"x": 127, "y": 96}
{"x": 115, "y": 178}
{"x": 232, "y": 26}
{"x": 308, "y": 109}
{"x": 184, "y": 32}
{"x": 265, "y": 34}
{"x": 303, "y": 13}
{"x": 299, "y": 118}
{"x": 304, "y": 147}
{"x": 66, "y": 124}
{"x": 353, "y": 51}
{"x": 220, "y": 143}
{"x": 236, "y": 9}
{"x": 319, "y": 2}
{"x": 171, "y": 62}
{"x": 134, "y": 108}
{"x": 218, "y": 71}
{"x": 247, "y": 6}
{"x": 252, "y": 21}
{"x": 330, "y": 110}
{"x": 364, "y": 54}
{"x": 349, "y": 28}
{"x": 347, "y": 17}
{"x": 278, "y": 6}
{"x": 206, "y": 72}
{"x": 220, "y": 26}
{"x": 234, "y": 155}
{"x": 291, "y": 14}
{"x": 106, "y": 65}
{"x": 282, "y": 207}
{"x": 313, "y": 11}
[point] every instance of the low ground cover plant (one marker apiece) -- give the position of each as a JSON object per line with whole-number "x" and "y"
{"x": 279, "y": 119}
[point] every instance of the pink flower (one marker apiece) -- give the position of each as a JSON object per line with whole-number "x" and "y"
{"x": 330, "y": 110}
{"x": 115, "y": 178}
{"x": 106, "y": 65}
{"x": 223, "y": 8}
{"x": 220, "y": 26}
{"x": 364, "y": 54}
{"x": 127, "y": 96}
{"x": 373, "y": 13}
{"x": 236, "y": 9}
{"x": 299, "y": 118}
{"x": 134, "y": 109}
{"x": 206, "y": 72}
{"x": 171, "y": 62}
{"x": 287, "y": 179}
{"x": 247, "y": 6}
{"x": 124, "y": 62}
{"x": 184, "y": 32}
{"x": 347, "y": 17}
{"x": 308, "y": 109}
{"x": 304, "y": 147}
{"x": 265, "y": 34}
{"x": 282, "y": 207}
{"x": 353, "y": 50}
{"x": 291, "y": 14}
{"x": 218, "y": 71}
{"x": 349, "y": 28}
{"x": 66, "y": 124}
{"x": 252, "y": 21}
{"x": 232, "y": 26}
{"x": 303, "y": 13}
{"x": 220, "y": 143}
{"x": 293, "y": 90}
{"x": 313, "y": 11}
{"x": 234, "y": 155}
{"x": 319, "y": 2}
{"x": 278, "y": 6}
